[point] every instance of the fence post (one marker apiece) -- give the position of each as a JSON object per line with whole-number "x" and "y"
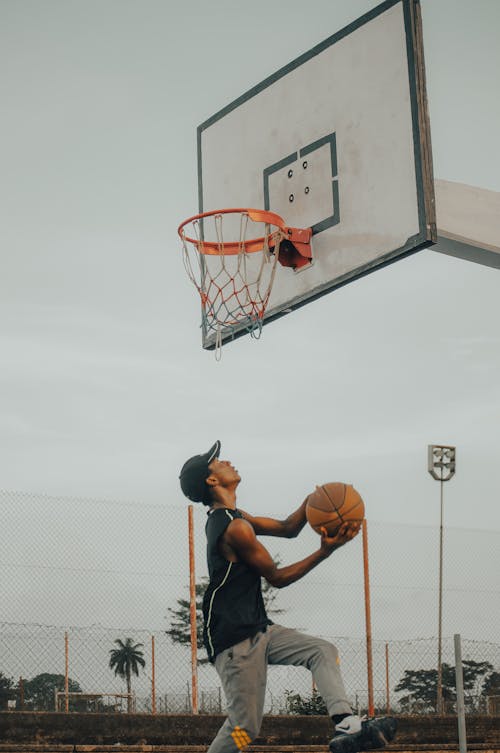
{"x": 192, "y": 615}
{"x": 459, "y": 679}
{"x": 387, "y": 691}
{"x": 369, "y": 652}
{"x": 66, "y": 672}
{"x": 21, "y": 693}
{"x": 153, "y": 677}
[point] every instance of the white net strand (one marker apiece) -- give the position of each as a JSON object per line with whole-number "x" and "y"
{"x": 234, "y": 283}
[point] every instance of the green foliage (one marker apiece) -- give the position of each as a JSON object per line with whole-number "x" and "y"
{"x": 7, "y": 691}
{"x": 180, "y": 623}
{"x": 421, "y": 685}
{"x": 473, "y": 673}
{"x": 39, "y": 693}
{"x": 308, "y": 706}
{"x": 491, "y": 684}
{"x": 125, "y": 660}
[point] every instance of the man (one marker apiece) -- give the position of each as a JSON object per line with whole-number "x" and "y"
{"x": 239, "y": 637}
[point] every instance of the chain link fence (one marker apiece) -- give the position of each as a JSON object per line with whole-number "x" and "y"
{"x": 38, "y": 658}
{"x": 99, "y": 564}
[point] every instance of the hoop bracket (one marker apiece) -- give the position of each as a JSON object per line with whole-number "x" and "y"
{"x": 295, "y": 250}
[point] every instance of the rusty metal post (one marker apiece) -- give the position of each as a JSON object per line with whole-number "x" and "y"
{"x": 387, "y": 690}
{"x": 153, "y": 676}
{"x": 192, "y": 615}
{"x": 21, "y": 694}
{"x": 66, "y": 672}
{"x": 368, "y": 620}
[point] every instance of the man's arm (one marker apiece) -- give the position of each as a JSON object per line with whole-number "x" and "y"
{"x": 288, "y": 528}
{"x": 242, "y": 540}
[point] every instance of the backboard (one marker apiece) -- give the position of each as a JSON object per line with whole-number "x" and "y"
{"x": 338, "y": 140}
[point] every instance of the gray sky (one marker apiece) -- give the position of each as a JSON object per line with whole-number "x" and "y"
{"x": 104, "y": 387}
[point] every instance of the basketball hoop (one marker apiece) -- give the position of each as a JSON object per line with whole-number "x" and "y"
{"x": 232, "y": 263}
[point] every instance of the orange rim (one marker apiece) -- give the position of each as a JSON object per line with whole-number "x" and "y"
{"x": 216, "y": 248}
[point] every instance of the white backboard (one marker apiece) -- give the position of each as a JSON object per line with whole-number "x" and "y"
{"x": 338, "y": 140}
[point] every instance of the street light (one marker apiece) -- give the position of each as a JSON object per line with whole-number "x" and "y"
{"x": 441, "y": 466}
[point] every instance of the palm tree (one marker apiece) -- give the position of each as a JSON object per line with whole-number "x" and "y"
{"x": 125, "y": 660}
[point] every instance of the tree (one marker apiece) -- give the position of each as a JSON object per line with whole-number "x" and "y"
{"x": 39, "y": 693}
{"x": 421, "y": 685}
{"x": 180, "y": 621}
{"x": 491, "y": 684}
{"x": 125, "y": 660}
{"x": 474, "y": 673}
{"x": 308, "y": 706}
{"x": 490, "y": 692}
{"x": 6, "y": 691}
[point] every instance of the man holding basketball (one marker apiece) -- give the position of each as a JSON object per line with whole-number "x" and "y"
{"x": 239, "y": 637}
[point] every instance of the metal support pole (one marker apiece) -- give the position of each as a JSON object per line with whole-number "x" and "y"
{"x": 387, "y": 691}
{"x": 459, "y": 679}
{"x": 153, "y": 676}
{"x": 439, "y": 692}
{"x": 441, "y": 464}
{"x": 369, "y": 652}
{"x": 192, "y": 615}
{"x": 66, "y": 673}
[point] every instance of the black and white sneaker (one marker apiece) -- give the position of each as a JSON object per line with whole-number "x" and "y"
{"x": 353, "y": 734}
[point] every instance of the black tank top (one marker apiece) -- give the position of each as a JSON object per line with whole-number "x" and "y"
{"x": 233, "y": 607}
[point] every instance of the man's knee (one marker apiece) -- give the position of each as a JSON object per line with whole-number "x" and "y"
{"x": 326, "y": 651}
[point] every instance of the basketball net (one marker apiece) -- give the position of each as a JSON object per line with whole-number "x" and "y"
{"x": 234, "y": 273}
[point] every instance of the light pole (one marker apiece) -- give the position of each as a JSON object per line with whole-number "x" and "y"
{"x": 441, "y": 466}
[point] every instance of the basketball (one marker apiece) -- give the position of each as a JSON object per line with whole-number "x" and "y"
{"x": 331, "y": 505}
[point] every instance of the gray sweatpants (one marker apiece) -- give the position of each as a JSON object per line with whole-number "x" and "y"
{"x": 243, "y": 671}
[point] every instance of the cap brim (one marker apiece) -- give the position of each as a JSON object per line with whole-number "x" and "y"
{"x": 213, "y": 452}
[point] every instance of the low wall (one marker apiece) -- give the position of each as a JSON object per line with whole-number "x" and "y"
{"x": 132, "y": 729}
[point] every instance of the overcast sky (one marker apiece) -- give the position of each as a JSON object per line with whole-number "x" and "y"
{"x": 104, "y": 387}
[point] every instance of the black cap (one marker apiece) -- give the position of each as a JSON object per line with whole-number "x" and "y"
{"x": 195, "y": 472}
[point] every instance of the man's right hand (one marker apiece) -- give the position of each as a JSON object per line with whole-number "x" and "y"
{"x": 345, "y": 533}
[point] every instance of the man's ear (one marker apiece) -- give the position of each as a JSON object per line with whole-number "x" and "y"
{"x": 212, "y": 480}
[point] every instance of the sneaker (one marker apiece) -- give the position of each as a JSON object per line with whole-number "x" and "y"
{"x": 348, "y": 737}
{"x": 380, "y": 732}
{"x": 349, "y": 725}
{"x": 353, "y": 734}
